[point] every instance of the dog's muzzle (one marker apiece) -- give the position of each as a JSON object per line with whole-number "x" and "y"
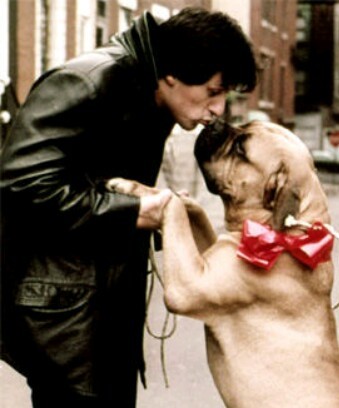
{"x": 211, "y": 139}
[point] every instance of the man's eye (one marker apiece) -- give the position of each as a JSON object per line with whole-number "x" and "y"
{"x": 215, "y": 92}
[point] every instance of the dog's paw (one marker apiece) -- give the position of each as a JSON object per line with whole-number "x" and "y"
{"x": 130, "y": 187}
{"x": 119, "y": 185}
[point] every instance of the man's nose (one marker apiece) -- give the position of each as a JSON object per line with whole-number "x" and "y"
{"x": 218, "y": 104}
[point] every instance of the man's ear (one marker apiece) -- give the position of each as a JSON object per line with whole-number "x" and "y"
{"x": 281, "y": 197}
{"x": 170, "y": 80}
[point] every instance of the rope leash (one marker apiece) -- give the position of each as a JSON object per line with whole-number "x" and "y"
{"x": 165, "y": 333}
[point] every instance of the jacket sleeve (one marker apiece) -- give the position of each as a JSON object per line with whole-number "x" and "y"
{"x": 42, "y": 159}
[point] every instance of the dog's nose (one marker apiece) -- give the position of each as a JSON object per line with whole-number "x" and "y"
{"x": 211, "y": 139}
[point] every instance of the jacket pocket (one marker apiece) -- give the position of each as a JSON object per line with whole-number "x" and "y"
{"x": 60, "y": 321}
{"x": 52, "y": 297}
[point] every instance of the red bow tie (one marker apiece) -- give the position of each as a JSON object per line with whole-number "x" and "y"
{"x": 261, "y": 245}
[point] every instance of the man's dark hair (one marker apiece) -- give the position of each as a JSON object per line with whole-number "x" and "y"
{"x": 195, "y": 44}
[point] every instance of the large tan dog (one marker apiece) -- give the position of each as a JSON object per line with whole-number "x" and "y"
{"x": 271, "y": 335}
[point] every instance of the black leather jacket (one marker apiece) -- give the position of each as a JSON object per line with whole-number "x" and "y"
{"x": 73, "y": 264}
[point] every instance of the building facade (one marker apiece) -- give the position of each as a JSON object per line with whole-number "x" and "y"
{"x": 44, "y": 33}
{"x": 316, "y": 59}
{"x": 273, "y": 33}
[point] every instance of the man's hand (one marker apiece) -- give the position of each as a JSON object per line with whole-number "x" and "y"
{"x": 152, "y": 200}
{"x": 151, "y": 209}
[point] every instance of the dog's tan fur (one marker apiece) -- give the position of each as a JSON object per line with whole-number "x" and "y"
{"x": 271, "y": 335}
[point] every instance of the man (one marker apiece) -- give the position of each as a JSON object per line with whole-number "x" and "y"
{"x": 74, "y": 256}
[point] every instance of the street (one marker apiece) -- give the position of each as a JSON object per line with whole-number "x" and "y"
{"x": 190, "y": 383}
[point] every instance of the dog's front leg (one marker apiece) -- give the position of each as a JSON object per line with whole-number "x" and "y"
{"x": 183, "y": 262}
{"x": 202, "y": 230}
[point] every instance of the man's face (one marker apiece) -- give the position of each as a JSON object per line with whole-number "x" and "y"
{"x": 191, "y": 105}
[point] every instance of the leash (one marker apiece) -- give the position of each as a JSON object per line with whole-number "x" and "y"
{"x": 165, "y": 332}
{"x": 290, "y": 221}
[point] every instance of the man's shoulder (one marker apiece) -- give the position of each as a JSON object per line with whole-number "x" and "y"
{"x": 99, "y": 59}
{"x": 104, "y": 66}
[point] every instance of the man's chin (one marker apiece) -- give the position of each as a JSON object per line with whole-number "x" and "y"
{"x": 188, "y": 126}
{"x": 191, "y": 125}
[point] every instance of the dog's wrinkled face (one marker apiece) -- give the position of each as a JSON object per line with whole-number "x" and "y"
{"x": 258, "y": 170}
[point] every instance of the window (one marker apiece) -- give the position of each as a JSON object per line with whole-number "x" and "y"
{"x": 101, "y": 8}
{"x": 282, "y": 85}
{"x": 127, "y": 8}
{"x": 162, "y": 13}
{"x": 125, "y": 18}
{"x": 266, "y": 80}
{"x": 303, "y": 22}
{"x": 301, "y": 83}
{"x": 99, "y": 36}
{"x": 268, "y": 10}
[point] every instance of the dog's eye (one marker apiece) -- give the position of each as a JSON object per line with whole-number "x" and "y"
{"x": 238, "y": 147}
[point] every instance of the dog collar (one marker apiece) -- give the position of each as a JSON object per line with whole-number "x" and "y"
{"x": 261, "y": 245}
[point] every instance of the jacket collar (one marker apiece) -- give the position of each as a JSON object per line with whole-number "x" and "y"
{"x": 139, "y": 41}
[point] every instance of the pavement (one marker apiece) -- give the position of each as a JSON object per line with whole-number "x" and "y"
{"x": 184, "y": 366}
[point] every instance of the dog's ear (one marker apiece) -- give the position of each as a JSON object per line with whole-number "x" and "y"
{"x": 281, "y": 197}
